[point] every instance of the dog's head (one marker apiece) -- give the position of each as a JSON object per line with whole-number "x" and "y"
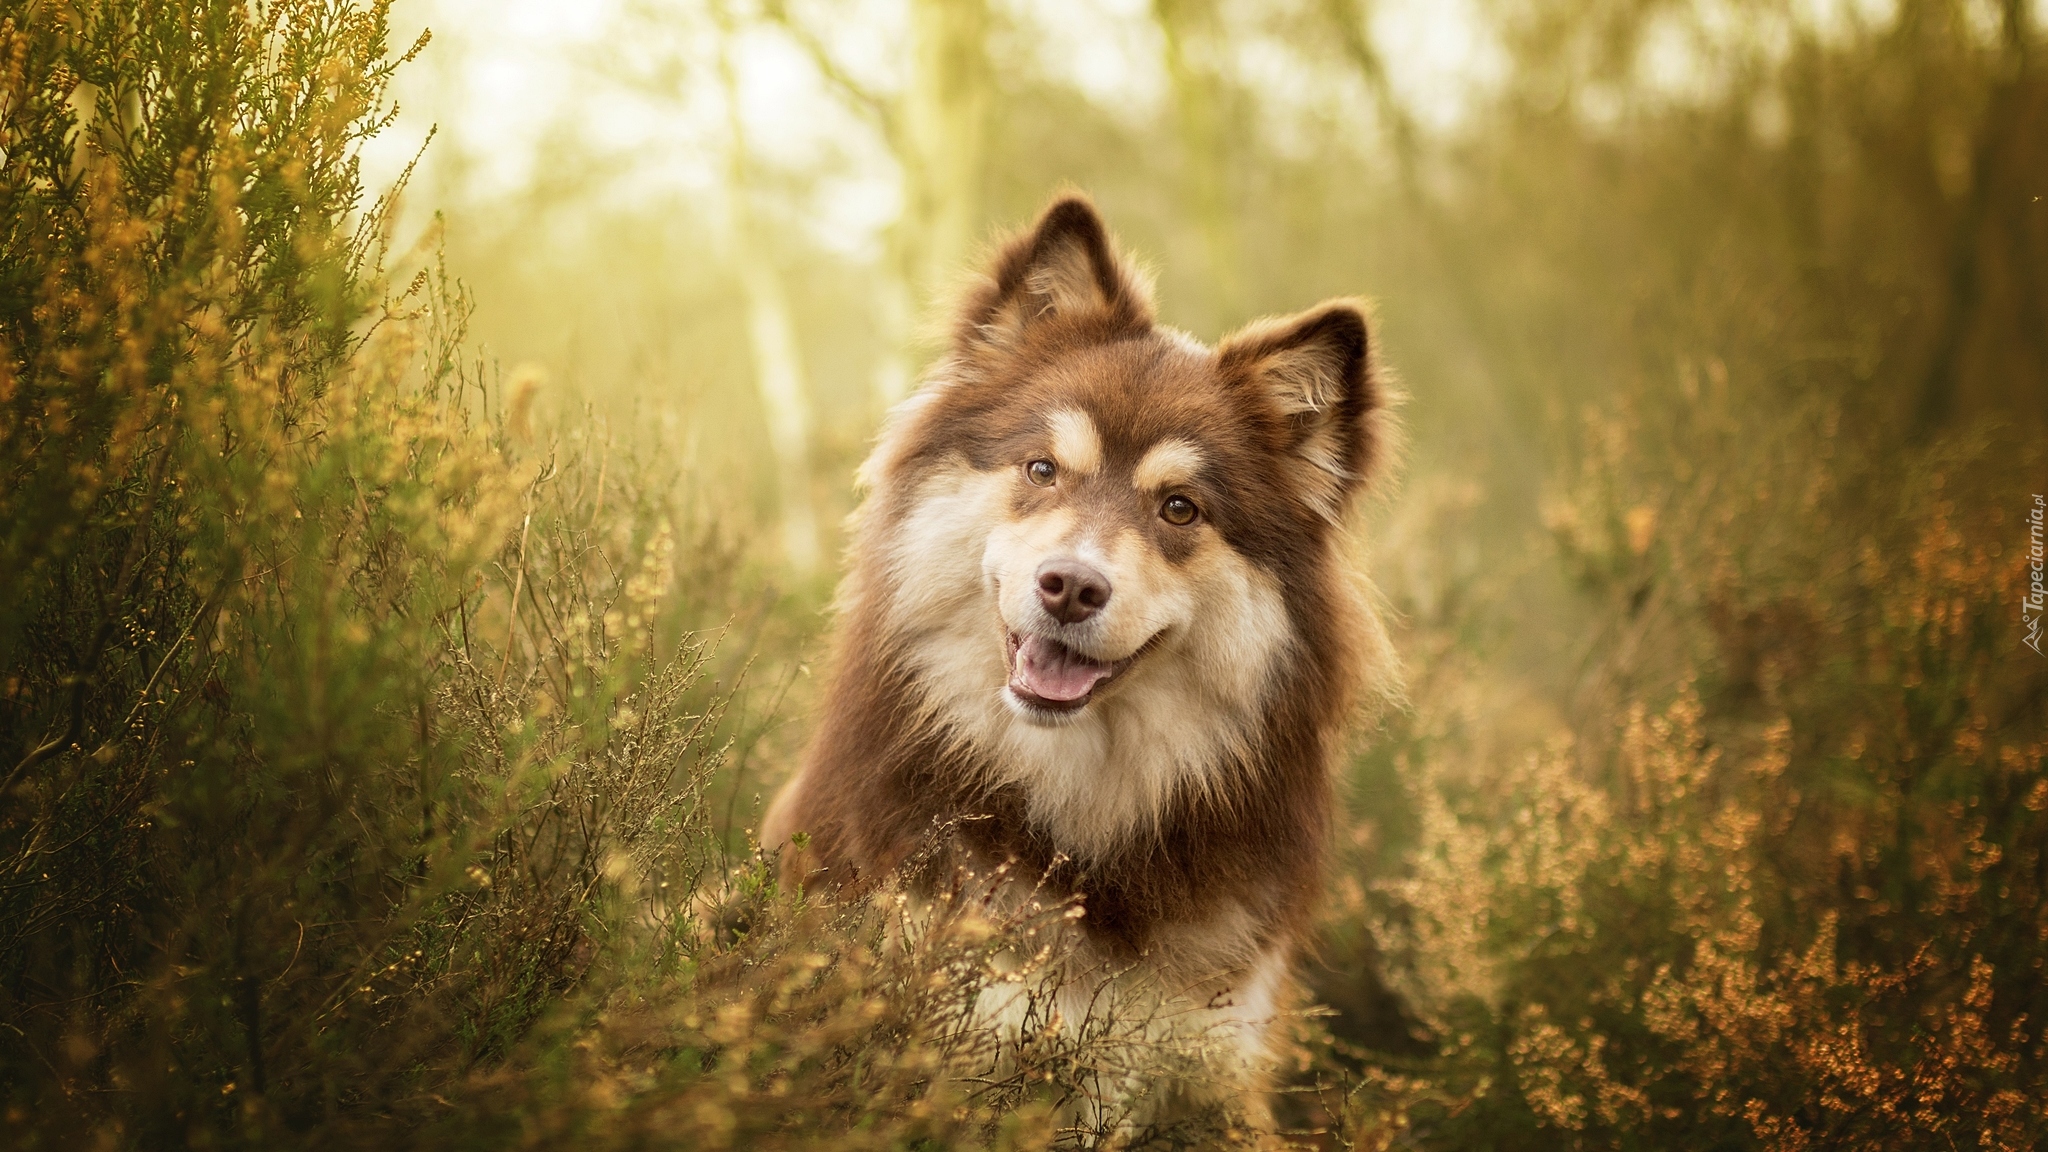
{"x": 1084, "y": 512}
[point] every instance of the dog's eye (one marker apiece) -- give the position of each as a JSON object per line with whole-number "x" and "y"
{"x": 1178, "y": 510}
{"x": 1041, "y": 473}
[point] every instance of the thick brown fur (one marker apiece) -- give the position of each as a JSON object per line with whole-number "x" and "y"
{"x": 1209, "y": 868}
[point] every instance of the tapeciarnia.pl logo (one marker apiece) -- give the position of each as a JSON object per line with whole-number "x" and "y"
{"x": 2037, "y": 563}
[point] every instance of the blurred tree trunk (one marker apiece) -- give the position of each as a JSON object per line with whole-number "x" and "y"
{"x": 1978, "y": 236}
{"x": 942, "y": 116}
{"x": 778, "y": 374}
{"x": 771, "y": 333}
{"x": 945, "y": 113}
{"x": 1201, "y": 112}
{"x": 935, "y": 128}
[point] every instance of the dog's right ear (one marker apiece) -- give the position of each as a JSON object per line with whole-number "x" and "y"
{"x": 1063, "y": 272}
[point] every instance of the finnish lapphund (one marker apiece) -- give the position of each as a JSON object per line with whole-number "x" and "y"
{"x": 1101, "y": 623}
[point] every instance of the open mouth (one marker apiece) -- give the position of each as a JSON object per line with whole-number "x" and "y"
{"x": 1048, "y": 675}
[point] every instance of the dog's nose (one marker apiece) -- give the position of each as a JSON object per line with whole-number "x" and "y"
{"x": 1071, "y": 590}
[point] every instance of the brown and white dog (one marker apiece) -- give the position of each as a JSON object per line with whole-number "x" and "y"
{"x": 1098, "y": 597}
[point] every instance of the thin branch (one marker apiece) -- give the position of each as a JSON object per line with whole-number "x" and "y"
{"x": 518, "y": 586}
{"x": 123, "y": 586}
{"x": 878, "y": 110}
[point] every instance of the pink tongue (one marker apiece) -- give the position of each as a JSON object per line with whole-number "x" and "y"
{"x": 1050, "y": 672}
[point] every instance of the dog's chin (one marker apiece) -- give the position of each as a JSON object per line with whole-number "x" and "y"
{"x": 1051, "y": 684}
{"x": 1040, "y": 713}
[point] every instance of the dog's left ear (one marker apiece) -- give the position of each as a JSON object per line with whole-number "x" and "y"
{"x": 1315, "y": 369}
{"x": 1063, "y": 271}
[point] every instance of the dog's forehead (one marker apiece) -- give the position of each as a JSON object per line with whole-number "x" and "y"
{"x": 1130, "y": 401}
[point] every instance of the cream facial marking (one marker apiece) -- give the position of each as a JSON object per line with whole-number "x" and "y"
{"x": 1167, "y": 464}
{"x": 1185, "y": 709}
{"x": 1075, "y": 443}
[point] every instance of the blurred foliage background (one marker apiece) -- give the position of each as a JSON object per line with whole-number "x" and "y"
{"x": 410, "y": 561}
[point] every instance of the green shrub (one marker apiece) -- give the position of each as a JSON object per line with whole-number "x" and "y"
{"x": 332, "y": 711}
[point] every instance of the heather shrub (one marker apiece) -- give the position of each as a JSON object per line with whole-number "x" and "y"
{"x": 1718, "y": 820}
{"x": 327, "y": 706}
{"x": 1775, "y": 882}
